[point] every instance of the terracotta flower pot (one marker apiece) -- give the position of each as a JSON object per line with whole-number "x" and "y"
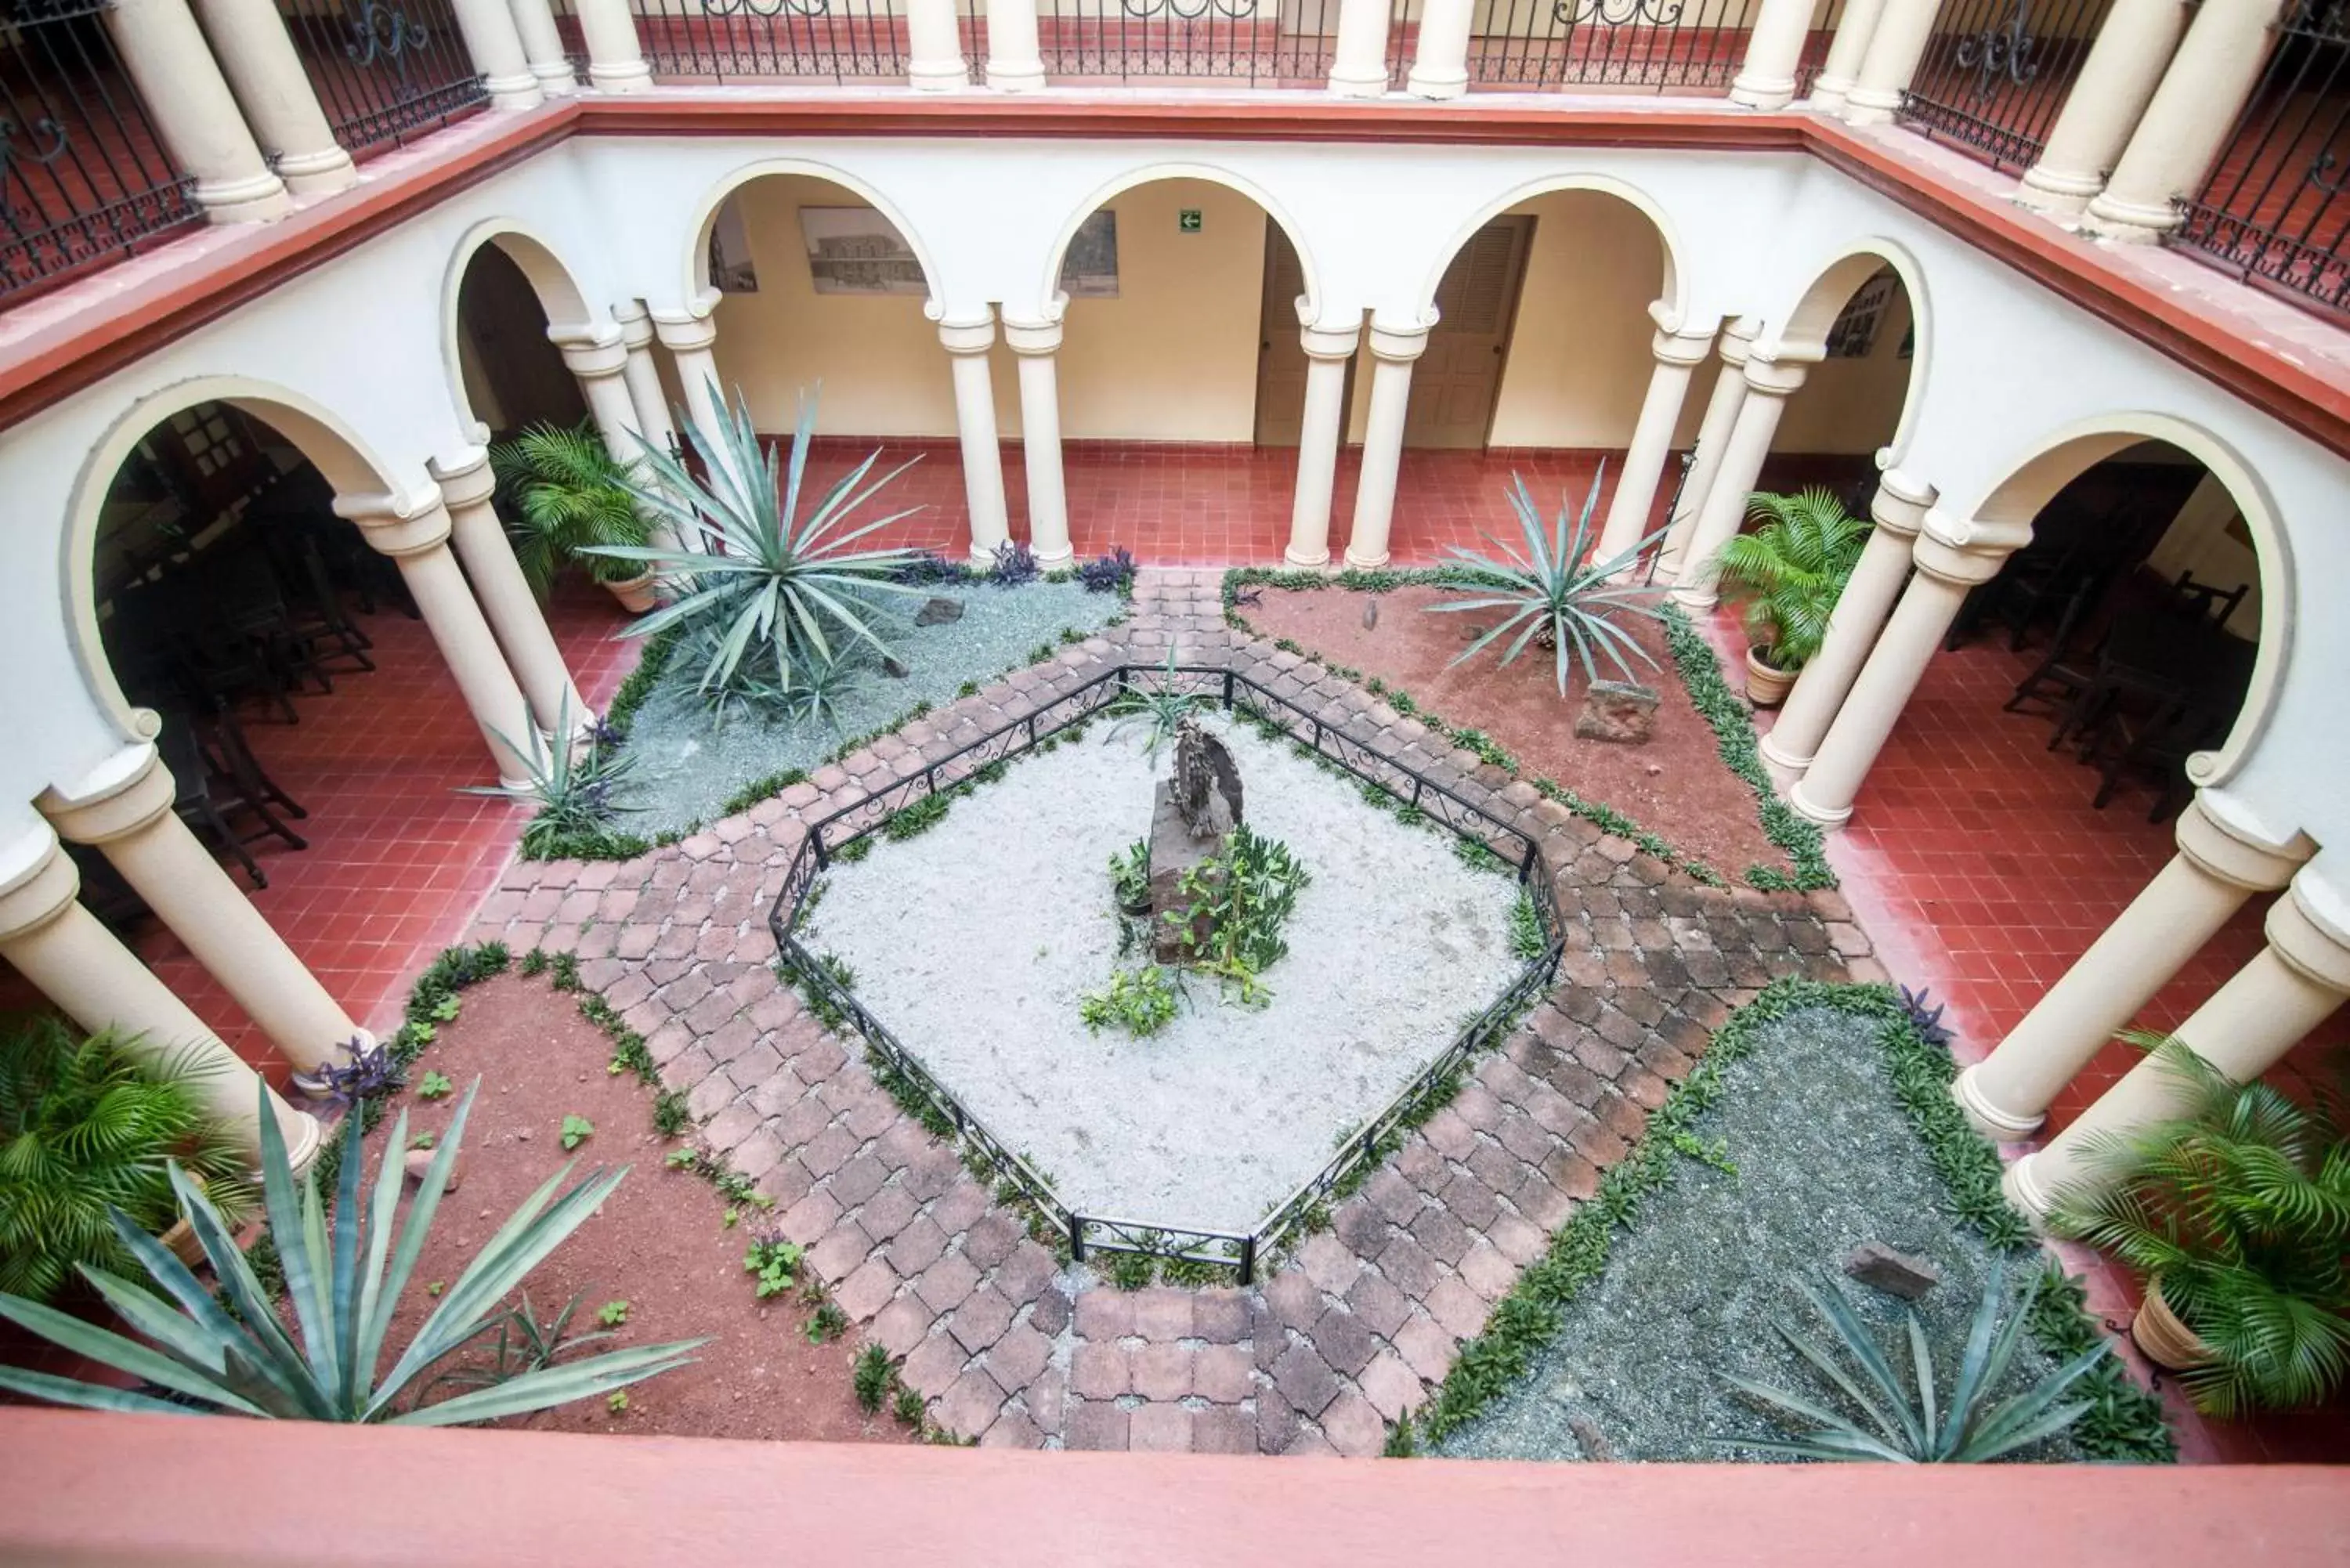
{"x": 637, "y": 595}
{"x": 2164, "y": 1335}
{"x": 181, "y": 1238}
{"x": 1766, "y": 684}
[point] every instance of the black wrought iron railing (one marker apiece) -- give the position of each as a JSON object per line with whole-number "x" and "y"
{"x": 1268, "y": 42}
{"x": 2276, "y": 209}
{"x": 1655, "y": 44}
{"x": 777, "y": 40}
{"x": 385, "y": 71}
{"x": 1996, "y": 72}
{"x": 84, "y": 177}
{"x": 1817, "y": 41}
{"x": 1240, "y": 1251}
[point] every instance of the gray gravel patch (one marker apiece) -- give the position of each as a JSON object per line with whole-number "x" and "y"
{"x": 1826, "y": 1159}
{"x": 687, "y": 768}
{"x": 974, "y": 941}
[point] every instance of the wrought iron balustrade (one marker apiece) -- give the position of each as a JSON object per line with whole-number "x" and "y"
{"x": 1268, "y": 42}
{"x": 1655, "y": 44}
{"x": 384, "y": 70}
{"x": 84, "y": 179}
{"x": 1996, "y": 72}
{"x": 784, "y": 40}
{"x": 2276, "y": 209}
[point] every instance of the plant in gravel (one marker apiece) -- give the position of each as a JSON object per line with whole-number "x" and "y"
{"x": 907, "y": 1407}
{"x": 763, "y": 788}
{"x": 1139, "y": 1001}
{"x": 1528, "y": 942}
{"x": 826, "y": 1323}
{"x": 1129, "y": 876}
{"x": 871, "y": 1377}
{"x": 566, "y": 494}
{"x": 968, "y": 688}
{"x": 766, "y": 574}
{"x": 1552, "y": 595}
{"x": 534, "y": 962}
{"x": 629, "y": 1051}
{"x": 773, "y": 1263}
{"x": 1240, "y": 900}
{"x": 670, "y": 1117}
{"x": 1791, "y": 571}
{"x": 92, "y": 1127}
{"x": 617, "y": 1402}
{"x": 1012, "y": 564}
{"x": 1402, "y": 1444}
{"x": 366, "y": 1072}
{"x": 612, "y": 1315}
{"x": 576, "y": 1130}
{"x": 433, "y": 1085}
{"x": 1110, "y": 574}
{"x": 1478, "y": 856}
{"x": 575, "y": 786}
{"x": 1914, "y": 1423}
{"x": 2236, "y": 1211}
{"x": 422, "y": 1141}
{"x": 345, "y": 1272}
{"x": 918, "y": 819}
{"x": 1159, "y": 709}
{"x": 855, "y": 850}
{"x": 563, "y": 971}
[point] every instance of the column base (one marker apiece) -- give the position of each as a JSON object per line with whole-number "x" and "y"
{"x": 1054, "y": 563}
{"x": 253, "y": 201}
{"x": 308, "y": 1139}
{"x": 1018, "y": 76}
{"x": 1781, "y": 761}
{"x": 1355, "y": 563}
{"x": 1358, "y": 86}
{"x": 1829, "y": 817}
{"x": 2023, "y": 1189}
{"x": 2057, "y": 191}
{"x": 2000, "y": 1126}
{"x": 937, "y": 78}
{"x": 1759, "y": 93}
{"x": 2127, "y": 223}
{"x": 1829, "y": 94}
{"x": 1865, "y": 108}
{"x": 554, "y": 81}
{"x": 1696, "y": 598}
{"x": 512, "y": 94}
{"x": 1305, "y": 563}
{"x": 632, "y": 76}
{"x": 1420, "y": 86}
{"x": 318, "y": 174}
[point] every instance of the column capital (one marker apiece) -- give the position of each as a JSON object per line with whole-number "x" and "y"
{"x": 588, "y": 354}
{"x": 1400, "y": 344}
{"x": 636, "y": 324}
{"x": 1029, "y": 337}
{"x": 465, "y": 480}
{"x": 392, "y": 532}
{"x": 39, "y": 893}
{"x": 2226, "y": 853}
{"x": 1900, "y": 504}
{"x": 2312, "y": 940}
{"x": 1687, "y": 350}
{"x": 1774, "y": 377}
{"x": 1964, "y": 551}
{"x": 130, "y": 792}
{"x": 969, "y": 334}
{"x": 1738, "y": 339}
{"x": 684, "y": 331}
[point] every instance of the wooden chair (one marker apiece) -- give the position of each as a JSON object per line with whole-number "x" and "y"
{"x": 208, "y": 801}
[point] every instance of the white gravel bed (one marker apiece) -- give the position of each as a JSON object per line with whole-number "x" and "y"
{"x": 975, "y": 940}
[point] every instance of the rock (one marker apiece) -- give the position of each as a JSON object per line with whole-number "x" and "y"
{"x": 1593, "y": 1442}
{"x": 1881, "y": 1268}
{"x": 937, "y": 611}
{"x": 1174, "y": 854}
{"x": 1206, "y": 786}
{"x": 893, "y": 668}
{"x": 1370, "y": 614}
{"x": 1618, "y": 711}
{"x": 420, "y": 1160}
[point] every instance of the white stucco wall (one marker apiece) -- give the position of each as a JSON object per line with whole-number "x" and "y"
{"x": 2004, "y": 365}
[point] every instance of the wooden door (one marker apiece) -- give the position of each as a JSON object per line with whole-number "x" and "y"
{"x": 1458, "y": 374}
{"x": 1280, "y": 353}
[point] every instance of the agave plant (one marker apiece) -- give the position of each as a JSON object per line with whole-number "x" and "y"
{"x": 570, "y": 493}
{"x": 1556, "y": 597}
{"x": 2240, "y": 1208}
{"x": 1791, "y": 571}
{"x": 1912, "y": 1424}
{"x": 345, "y": 1272}
{"x": 1159, "y": 709}
{"x": 88, "y": 1129}
{"x": 573, "y": 784}
{"x": 776, "y": 579}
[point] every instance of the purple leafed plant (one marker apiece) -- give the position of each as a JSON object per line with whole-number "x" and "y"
{"x": 369, "y": 1074}
{"x": 1016, "y": 563}
{"x": 1110, "y": 574}
{"x": 1927, "y": 1022}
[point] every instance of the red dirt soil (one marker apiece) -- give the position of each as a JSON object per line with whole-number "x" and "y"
{"x": 1676, "y": 785}
{"x": 659, "y": 1242}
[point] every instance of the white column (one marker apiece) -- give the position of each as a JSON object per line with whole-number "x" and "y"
{"x": 125, "y": 811}
{"x": 1328, "y": 351}
{"x": 934, "y": 48}
{"x": 2188, "y": 119}
{"x": 496, "y": 51}
{"x": 2289, "y": 988}
{"x": 1012, "y": 62}
{"x": 59, "y": 946}
{"x": 641, "y": 376}
{"x": 1903, "y": 31}
{"x": 530, "y": 648}
{"x": 1440, "y": 67}
{"x": 1774, "y": 49}
{"x": 967, "y": 342}
{"x": 2133, "y": 48}
{"x": 2218, "y": 866}
{"x": 1952, "y": 556}
{"x": 1898, "y": 510}
{"x": 193, "y": 111}
{"x": 1713, "y": 430}
{"x": 418, "y": 541}
{"x": 1841, "y": 67}
{"x": 1769, "y": 384}
{"x": 1678, "y": 355}
{"x": 1393, "y": 349}
{"x": 616, "y": 62}
{"x": 1358, "y": 60}
{"x": 542, "y": 45}
{"x": 1035, "y": 343}
{"x": 598, "y": 366}
{"x": 690, "y": 338}
{"x": 257, "y": 57}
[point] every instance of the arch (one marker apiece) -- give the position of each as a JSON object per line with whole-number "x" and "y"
{"x": 1804, "y": 336}
{"x": 337, "y": 451}
{"x": 2033, "y": 480}
{"x": 559, "y": 295}
{"x": 1049, "y": 286}
{"x": 693, "y": 286}
{"x": 1673, "y": 289}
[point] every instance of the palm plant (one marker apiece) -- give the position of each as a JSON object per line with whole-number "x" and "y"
{"x": 344, "y": 1274}
{"x": 570, "y": 495}
{"x": 1914, "y": 1426}
{"x": 2237, "y": 1210}
{"x": 573, "y": 784}
{"x": 1791, "y": 571}
{"x": 88, "y": 1130}
{"x": 1555, "y": 594}
{"x": 776, "y": 580}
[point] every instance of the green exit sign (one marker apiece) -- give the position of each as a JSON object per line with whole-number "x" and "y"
{"x": 1187, "y": 221}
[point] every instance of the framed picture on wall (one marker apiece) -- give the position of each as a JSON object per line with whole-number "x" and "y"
{"x": 856, "y": 250}
{"x": 730, "y": 269}
{"x": 1854, "y": 336}
{"x": 1089, "y": 270}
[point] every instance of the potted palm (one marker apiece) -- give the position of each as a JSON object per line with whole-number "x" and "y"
{"x": 568, "y": 496}
{"x": 1790, "y": 572}
{"x": 2236, "y": 1211}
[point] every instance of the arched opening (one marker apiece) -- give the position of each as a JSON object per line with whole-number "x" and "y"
{"x": 1860, "y": 326}
{"x": 510, "y": 372}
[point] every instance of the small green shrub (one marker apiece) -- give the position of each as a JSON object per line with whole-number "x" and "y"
{"x": 1141, "y": 1001}
{"x": 773, "y": 1263}
{"x": 872, "y": 1378}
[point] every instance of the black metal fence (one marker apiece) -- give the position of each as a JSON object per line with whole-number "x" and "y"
{"x": 1304, "y": 1208}
{"x": 1655, "y": 44}
{"x": 1260, "y": 41}
{"x": 83, "y": 176}
{"x": 784, "y": 40}
{"x": 1996, "y": 72}
{"x": 384, "y": 72}
{"x": 2276, "y": 209}
{"x": 1816, "y": 44}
